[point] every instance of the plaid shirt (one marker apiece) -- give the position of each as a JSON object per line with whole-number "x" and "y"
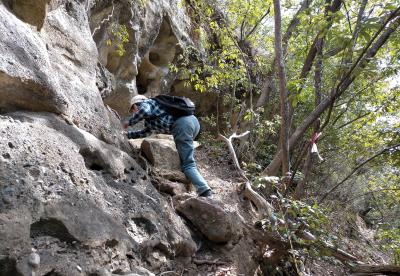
{"x": 156, "y": 120}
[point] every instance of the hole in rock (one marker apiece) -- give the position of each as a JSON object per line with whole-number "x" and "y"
{"x": 6, "y": 155}
{"x": 53, "y": 228}
{"x": 154, "y": 58}
{"x": 92, "y": 160}
{"x": 95, "y": 167}
{"x": 154, "y": 65}
{"x": 111, "y": 243}
{"x": 8, "y": 267}
{"x": 52, "y": 273}
{"x": 146, "y": 224}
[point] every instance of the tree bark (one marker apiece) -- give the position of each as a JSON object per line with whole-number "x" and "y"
{"x": 301, "y": 187}
{"x": 282, "y": 89}
{"x": 374, "y": 269}
{"x": 318, "y": 40}
{"x": 265, "y": 94}
{"x": 362, "y": 61}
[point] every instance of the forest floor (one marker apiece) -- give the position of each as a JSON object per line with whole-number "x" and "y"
{"x": 355, "y": 238}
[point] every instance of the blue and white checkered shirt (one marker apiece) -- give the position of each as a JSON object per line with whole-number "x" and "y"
{"x": 156, "y": 119}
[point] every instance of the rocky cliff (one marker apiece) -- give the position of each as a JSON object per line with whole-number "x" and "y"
{"x": 73, "y": 198}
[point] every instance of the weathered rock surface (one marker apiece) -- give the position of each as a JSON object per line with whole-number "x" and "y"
{"x": 161, "y": 153}
{"x": 158, "y": 30}
{"x": 73, "y": 198}
{"x": 26, "y": 79}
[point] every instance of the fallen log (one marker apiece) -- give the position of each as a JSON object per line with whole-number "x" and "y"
{"x": 338, "y": 253}
{"x": 208, "y": 262}
{"x": 376, "y": 269}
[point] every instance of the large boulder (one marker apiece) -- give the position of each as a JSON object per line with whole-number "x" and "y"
{"x": 212, "y": 220}
{"x": 161, "y": 153}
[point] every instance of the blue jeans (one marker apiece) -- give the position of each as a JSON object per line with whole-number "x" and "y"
{"x": 184, "y": 130}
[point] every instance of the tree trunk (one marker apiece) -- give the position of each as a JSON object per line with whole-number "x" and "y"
{"x": 308, "y": 165}
{"x": 282, "y": 89}
{"x": 265, "y": 93}
{"x": 318, "y": 39}
{"x": 363, "y": 60}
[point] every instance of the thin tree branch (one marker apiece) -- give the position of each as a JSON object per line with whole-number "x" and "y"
{"x": 356, "y": 169}
{"x": 368, "y": 50}
{"x": 365, "y": 114}
{"x": 347, "y": 16}
{"x": 284, "y": 132}
{"x": 370, "y": 192}
{"x": 364, "y": 59}
{"x": 317, "y": 40}
{"x": 293, "y": 24}
{"x": 314, "y": 49}
{"x": 256, "y": 25}
{"x": 288, "y": 34}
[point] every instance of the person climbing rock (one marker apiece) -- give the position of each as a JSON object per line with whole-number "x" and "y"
{"x": 184, "y": 130}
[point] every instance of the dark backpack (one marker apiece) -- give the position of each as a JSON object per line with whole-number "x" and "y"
{"x": 175, "y": 105}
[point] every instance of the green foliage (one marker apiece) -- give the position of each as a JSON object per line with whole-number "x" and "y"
{"x": 364, "y": 119}
{"x": 263, "y": 181}
{"x": 143, "y": 3}
{"x": 119, "y": 37}
{"x": 390, "y": 241}
{"x": 244, "y": 15}
{"x": 295, "y": 215}
{"x": 223, "y": 69}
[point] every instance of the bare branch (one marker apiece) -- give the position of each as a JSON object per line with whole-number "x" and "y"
{"x": 262, "y": 205}
{"x": 363, "y": 60}
{"x": 256, "y": 25}
{"x": 371, "y": 192}
{"x": 282, "y": 88}
{"x": 356, "y": 169}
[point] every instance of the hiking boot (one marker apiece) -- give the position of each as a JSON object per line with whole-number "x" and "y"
{"x": 207, "y": 193}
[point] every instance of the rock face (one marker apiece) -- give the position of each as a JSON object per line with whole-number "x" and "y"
{"x": 64, "y": 191}
{"x": 157, "y": 31}
{"x": 70, "y": 185}
{"x": 75, "y": 198}
{"x": 26, "y": 80}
